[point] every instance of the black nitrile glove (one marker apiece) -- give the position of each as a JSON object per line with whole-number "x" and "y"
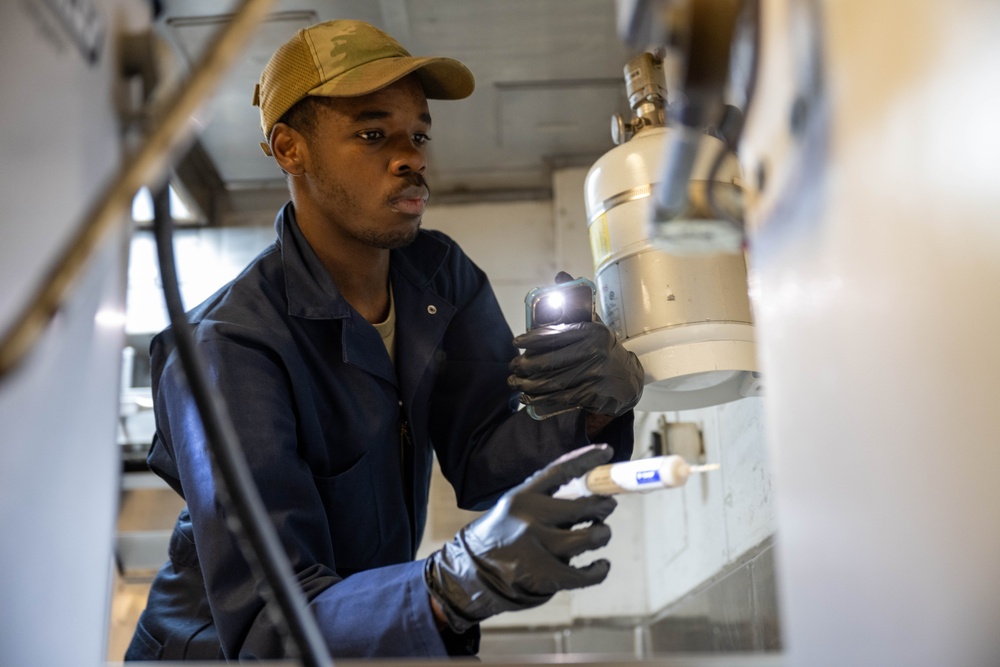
{"x": 580, "y": 365}
{"x": 516, "y": 556}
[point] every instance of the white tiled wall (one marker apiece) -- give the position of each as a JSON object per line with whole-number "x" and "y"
{"x": 694, "y": 532}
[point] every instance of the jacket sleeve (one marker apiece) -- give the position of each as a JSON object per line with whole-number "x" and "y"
{"x": 484, "y": 443}
{"x": 379, "y": 612}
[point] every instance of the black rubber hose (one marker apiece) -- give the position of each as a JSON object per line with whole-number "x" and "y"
{"x": 241, "y": 503}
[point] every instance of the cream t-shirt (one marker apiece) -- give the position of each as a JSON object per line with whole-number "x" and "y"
{"x": 387, "y": 329}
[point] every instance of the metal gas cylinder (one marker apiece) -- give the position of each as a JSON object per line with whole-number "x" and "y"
{"x": 687, "y": 316}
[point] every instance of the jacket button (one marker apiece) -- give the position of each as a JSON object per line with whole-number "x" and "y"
{"x": 432, "y": 309}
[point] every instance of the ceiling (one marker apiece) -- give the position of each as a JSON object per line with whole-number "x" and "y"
{"x": 548, "y": 77}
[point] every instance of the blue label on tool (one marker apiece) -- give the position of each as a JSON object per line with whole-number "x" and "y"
{"x": 647, "y": 476}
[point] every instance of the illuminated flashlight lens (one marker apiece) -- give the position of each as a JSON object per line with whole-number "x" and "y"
{"x": 555, "y": 300}
{"x": 549, "y": 309}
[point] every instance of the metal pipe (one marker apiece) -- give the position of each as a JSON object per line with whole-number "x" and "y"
{"x": 670, "y": 199}
{"x": 144, "y": 166}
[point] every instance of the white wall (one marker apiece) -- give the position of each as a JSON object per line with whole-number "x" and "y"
{"x": 694, "y": 532}
{"x": 206, "y": 260}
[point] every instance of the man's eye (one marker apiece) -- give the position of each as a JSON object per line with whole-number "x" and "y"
{"x": 420, "y": 139}
{"x": 370, "y": 135}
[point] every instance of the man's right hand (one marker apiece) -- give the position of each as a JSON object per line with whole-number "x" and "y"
{"x": 517, "y": 555}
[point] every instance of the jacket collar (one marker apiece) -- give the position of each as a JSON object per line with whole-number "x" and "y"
{"x": 422, "y": 314}
{"x": 310, "y": 290}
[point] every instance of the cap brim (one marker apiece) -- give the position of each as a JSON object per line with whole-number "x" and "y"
{"x": 442, "y": 78}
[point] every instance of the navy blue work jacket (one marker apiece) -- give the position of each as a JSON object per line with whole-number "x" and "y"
{"x": 340, "y": 443}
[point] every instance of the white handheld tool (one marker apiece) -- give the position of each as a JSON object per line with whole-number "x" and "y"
{"x": 658, "y": 472}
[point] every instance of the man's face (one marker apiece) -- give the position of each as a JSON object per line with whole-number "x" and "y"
{"x": 367, "y": 158}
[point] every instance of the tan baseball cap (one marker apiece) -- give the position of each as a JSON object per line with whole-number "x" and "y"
{"x": 347, "y": 59}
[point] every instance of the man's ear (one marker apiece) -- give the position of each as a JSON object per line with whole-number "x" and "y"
{"x": 289, "y": 149}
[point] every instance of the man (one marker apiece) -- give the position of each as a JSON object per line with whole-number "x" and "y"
{"x": 350, "y": 352}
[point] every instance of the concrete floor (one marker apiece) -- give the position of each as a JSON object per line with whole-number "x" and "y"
{"x": 128, "y": 599}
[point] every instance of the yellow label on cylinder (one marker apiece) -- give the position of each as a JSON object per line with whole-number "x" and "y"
{"x": 600, "y": 240}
